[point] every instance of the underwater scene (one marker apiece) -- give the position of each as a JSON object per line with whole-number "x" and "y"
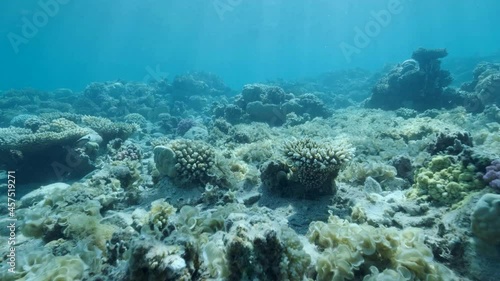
{"x": 264, "y": 140}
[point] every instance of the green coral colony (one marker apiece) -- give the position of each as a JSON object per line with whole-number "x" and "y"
{"x": 188, "y": 180}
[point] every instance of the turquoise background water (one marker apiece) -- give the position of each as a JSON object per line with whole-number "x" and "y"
{"x": 243, "y": 41}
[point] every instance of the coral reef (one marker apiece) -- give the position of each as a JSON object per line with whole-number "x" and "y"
{"x": 57, "y": 132}
{"x": 58, "y": 148}
{"x": 136, "y": 118}
{"x": 160, "y": 214}
{"x": 68, "y": 220}
{"x": 127, "y": 151}
{"x": 417, "y": 83}
{"x": 184, "y": 125}
{"x": 198, "y": 84}
{"x": 338, "y": 89}
{"x": 167, "y": 122}
{"x": 270, "y": 104}
{"x": 315, "y": 163}
{"x": 404, "y": 167}
{"x": 48, "y": 153}
{"x": 78, "y": 221}
{"x": 262, "y": 103}
{"x": 485, "y": 86}
{"x": 182, "y": 180}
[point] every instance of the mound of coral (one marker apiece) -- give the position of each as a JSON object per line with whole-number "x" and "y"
{"x": 272, "y": 105}
{"x": 416, "y": 83}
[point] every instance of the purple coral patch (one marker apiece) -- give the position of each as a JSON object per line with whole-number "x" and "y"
{"x": 492, "y": 175}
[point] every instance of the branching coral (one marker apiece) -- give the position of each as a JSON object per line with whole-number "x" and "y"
{"x": 309, "y": 168}
{"x": 316, "y": 162}
{"x": 186, "y": 161}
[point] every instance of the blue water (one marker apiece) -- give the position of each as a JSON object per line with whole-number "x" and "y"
{"x": 242, "y": 41}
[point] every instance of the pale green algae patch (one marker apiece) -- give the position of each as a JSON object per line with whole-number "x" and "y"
{"x": 348, "y": 251}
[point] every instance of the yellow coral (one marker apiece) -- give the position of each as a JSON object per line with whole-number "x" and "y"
{"x": 445, "y": 182}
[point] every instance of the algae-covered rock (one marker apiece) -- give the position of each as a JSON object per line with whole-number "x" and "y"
{"x": 44, "y": 266}
{"x": 258, "y": 250}
{"x": 165, "y": 161}
{"x": 270, "y": 113}
{"x": 41, "y": 193}
{"x": 349, "y": 251}
{"x": 152, "y": 260}
{"x": 356, "y": 172}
